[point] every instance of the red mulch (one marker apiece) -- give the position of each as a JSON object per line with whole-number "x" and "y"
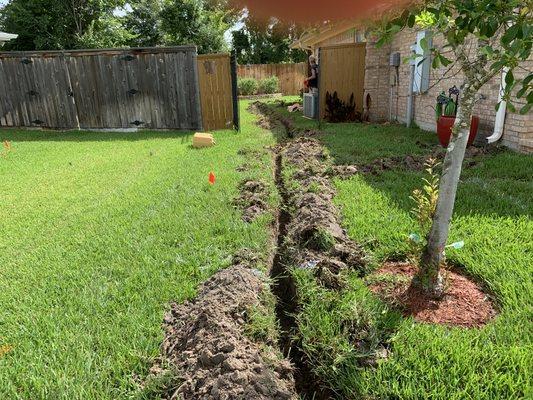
{"x": 463, "y": 304}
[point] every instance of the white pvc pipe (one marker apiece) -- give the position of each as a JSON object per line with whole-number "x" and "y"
{"x": 499, "y": 123}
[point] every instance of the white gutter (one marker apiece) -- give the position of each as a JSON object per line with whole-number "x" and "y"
{"x": 499, "y": 123}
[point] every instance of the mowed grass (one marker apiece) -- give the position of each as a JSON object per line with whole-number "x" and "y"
{"x": 99, "y": 231}
{"x": 493, "y": 217}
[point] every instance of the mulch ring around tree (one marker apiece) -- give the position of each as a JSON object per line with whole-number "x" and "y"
{"x": 464, "y": 304}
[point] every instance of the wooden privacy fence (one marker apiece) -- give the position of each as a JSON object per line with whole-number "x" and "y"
{"x": 342, "y": 70}
{"x": 291, "y": 76}
{"x": 153, "y": 88}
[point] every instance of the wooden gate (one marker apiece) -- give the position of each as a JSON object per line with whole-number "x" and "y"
{"x": 342, "y": 70}
{"x": 216, "y": 91}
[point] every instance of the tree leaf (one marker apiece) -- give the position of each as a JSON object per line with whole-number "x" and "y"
{"x": 444, "y": 60}
{"x": 424, "y": 44}
{"x": 511, "y": 34}
{"x": 509, "y": 78}
{"x": 524, "y": 110}
{"x": 411, "y": 20}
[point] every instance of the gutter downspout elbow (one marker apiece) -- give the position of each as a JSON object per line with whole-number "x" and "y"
{"x": 499, "y": 123}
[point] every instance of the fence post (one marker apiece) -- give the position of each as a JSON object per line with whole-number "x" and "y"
{"x": 197, "y": 89}
{"x": 234, "y": 92}
{"x": 320, "y": 88}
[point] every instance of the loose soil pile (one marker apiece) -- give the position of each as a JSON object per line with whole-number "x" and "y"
{"x": 473, "y": 154}
{"x": 315, "y": 239}
{"x": 464, "y": 303}
{"x": 205, "y": 344}
{"x": 417, "y": 163}
{"x": 253, "y": 199}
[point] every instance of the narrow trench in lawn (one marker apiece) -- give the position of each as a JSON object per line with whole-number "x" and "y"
{"x": 284, "y": 290}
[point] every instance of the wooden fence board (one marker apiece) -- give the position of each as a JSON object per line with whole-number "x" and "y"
{"x": 342, "y": 69}
{"x": 291, "y": 76}
{"x": 155, "y": 88}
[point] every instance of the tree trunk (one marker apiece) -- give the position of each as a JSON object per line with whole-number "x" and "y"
{"x": 429, "y": 277}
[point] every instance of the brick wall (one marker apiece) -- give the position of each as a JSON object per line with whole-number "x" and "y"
{"x": 518, "y": 131}
{"x": 377, "y": 82}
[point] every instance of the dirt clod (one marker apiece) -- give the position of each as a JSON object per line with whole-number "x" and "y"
{"x": 204, "y": 342}
{"x": 253, "y": 199}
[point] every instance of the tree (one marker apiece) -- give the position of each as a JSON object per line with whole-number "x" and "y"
{"x": 484, "y": 37}
{"x": 143, "y": 22}
{"x": 60, "y": 24}
{"x": 264, "y": 42}
{"x": 198, "y": 22}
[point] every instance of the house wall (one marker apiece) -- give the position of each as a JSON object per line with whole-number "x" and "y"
{"x": 518, "y": 131}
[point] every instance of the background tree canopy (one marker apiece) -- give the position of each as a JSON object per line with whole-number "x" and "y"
{"x": 260, "y": 42}
{"x": 61, "y": 24}
{"x": 75, "y": 24}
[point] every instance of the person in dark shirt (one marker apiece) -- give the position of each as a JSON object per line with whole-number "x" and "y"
{"x": 312, "y": 81}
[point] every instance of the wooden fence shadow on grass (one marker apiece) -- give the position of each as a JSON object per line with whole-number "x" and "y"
{"x": 28, "y": 135}
{"x": 152, "y": 88}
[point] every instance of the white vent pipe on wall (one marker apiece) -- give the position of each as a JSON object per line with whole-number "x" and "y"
{"x": 499, "y": 123}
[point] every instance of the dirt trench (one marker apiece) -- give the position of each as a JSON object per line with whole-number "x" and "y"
{"x": 206, "y": 344}
{"x": 310, "y": 237}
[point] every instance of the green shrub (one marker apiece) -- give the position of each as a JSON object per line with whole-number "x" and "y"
{"x": 269, "y": 85}
{"x": 247, "y": 86}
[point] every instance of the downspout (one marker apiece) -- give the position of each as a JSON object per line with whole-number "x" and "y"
{"x": 499, "y": 123}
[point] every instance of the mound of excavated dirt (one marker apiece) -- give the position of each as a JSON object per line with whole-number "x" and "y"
{"x": 204, "y": 342}
{"x": 463, "y": 304}
{"x": 252, "y": 200}
{"x": 473, "y": 155}
{"x": 315, "y": 238}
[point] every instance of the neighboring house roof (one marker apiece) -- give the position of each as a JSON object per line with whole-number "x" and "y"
{"x": 4, "y": 37}
{"x": 325, "y": 32}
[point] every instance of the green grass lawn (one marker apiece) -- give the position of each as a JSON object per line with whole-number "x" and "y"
{"x": 99, "y": 231}
{"x": 493, "y": 216}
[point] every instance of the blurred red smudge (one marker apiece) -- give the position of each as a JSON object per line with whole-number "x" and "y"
{"x": 212, "y": 178}
{"x": 319, "y": 10}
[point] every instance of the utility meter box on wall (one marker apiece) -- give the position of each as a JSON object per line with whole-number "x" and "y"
{"x": 395, "y": 60}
